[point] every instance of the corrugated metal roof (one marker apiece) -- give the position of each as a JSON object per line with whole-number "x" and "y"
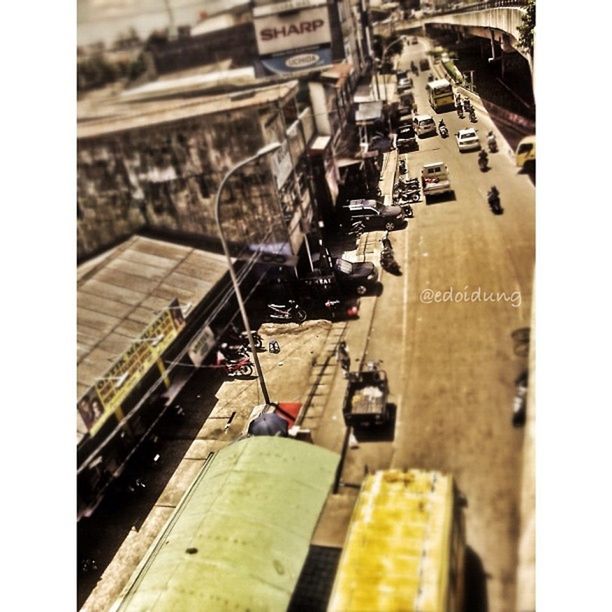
{"x": 396, "y": 554}
{"x": 122, "y": 291}
{"x": 240, "y": 536}
{"x": 143, "y": 115}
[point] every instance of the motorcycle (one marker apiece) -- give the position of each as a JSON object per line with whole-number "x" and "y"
{"x": 407, "y": 208}
{"x": 235, "y": 367}
{"x": 402, "y": 167}
{"x": 236, "y": 339}
{"x": 483, "y": 161}
{"x": 287, "y": 312}
{"x": 460, "y": 112}
{"x": 492, "y": 142}
{"x": 443, "y": 130}
{"x": 387, "y": 257}
{"x": 473, "y": 117}
{"x": 354, "y": 230}
{"x": 519, "y": 403}
{"x": 407, "y": 197}
{"x": 406, "y": 184}
{"x": 467, "y": 105}
{"x": 494, "y": 200}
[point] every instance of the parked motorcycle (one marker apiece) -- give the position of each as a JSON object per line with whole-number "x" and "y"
{"x": 492, "y": 142}
{"x": 236, "y": 338}
{"x": 407, "y": 208}
{"x": 494, "y": 200}
{"x": 408, "y": 197}
{"x": 354, "y": 230}
{"x": 483, "y": 161}
{"x": 406, "y": 185}
{"x": 235, "y": 367}
{"x": 287, "y": 312}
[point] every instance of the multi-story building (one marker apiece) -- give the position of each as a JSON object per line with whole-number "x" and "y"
{"x": 158, "y": 166}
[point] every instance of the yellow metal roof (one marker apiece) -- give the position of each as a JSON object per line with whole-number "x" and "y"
{"x": 396, "y": 554}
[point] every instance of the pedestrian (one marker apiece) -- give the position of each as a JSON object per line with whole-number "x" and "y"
{"x": 343, "y": 356}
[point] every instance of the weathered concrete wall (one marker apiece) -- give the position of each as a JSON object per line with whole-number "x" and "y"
{"x": 166, "y": 176}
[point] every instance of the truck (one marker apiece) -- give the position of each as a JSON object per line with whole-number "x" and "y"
{"x": 435, "y": 179}
{"x": 365, "y": 400}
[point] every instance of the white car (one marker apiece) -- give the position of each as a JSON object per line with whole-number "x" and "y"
{"x": 467, "y": 139}
{"x": 424, "y": 124}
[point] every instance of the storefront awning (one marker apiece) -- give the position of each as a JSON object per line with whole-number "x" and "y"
{"x": 369, "y": 111}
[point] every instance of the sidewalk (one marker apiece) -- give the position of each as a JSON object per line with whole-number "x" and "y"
{"x": 329, "y": 429}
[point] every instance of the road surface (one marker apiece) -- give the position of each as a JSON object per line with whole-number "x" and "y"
{"x": 451, "y": 362}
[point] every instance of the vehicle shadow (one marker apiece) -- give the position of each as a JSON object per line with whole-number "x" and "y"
{"x": 381, "y": 433}
{"x": 440, "y": 199}
{"x": 476, "y": 596}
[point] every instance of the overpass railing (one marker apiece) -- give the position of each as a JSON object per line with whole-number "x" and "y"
{"x": 480, "y": 6}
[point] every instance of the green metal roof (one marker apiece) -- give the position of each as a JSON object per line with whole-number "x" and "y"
{"x": 247, "y": 521}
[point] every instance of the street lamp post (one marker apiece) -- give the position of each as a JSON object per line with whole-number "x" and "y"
{"x": 245, "y": 320}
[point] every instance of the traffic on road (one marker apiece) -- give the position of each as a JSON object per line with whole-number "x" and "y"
{"x": 415, "y": 280}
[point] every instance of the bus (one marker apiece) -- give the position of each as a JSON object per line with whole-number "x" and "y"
{"x": 440, "y": 95}
{"x": 526, "y": 153}
{"x": 405, "y": 545}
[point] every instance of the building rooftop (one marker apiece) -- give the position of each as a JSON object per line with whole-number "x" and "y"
{"x": 245, "y": 525}
{"x": 146, "y": 113}
{"x": 122, "y": 291}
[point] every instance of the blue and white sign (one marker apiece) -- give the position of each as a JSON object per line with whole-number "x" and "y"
{"x": 298, "y": 60}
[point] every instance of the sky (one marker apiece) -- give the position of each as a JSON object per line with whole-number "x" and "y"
{"x": 104, "y": 20}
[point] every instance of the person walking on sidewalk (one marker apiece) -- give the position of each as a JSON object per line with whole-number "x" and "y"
{"x": 343, "y": 356}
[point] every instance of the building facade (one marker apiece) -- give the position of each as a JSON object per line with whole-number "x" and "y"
{"x": 160, "y": 170}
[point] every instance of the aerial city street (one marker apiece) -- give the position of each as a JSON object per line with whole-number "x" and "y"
{"x": 306, "y": 246}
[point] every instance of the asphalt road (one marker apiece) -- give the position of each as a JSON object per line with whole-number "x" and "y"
{"x": 452, "y": 364}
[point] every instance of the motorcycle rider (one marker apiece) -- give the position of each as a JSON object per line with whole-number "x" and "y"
{"x": 442, "y": 127}
{"x": 493, "y": 199}
{"x": 492, "y": 141}
{"x": 483, "y": 159}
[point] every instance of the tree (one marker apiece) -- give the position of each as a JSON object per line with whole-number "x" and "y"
{"x": 527, "y": 27}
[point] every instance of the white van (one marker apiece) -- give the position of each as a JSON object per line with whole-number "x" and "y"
{"x": 424, "y": 124}
{"x": 435, "y": 179}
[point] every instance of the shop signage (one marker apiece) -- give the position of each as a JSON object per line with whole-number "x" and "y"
{"x": 292, "y": 62}
{"x": 294, "y": 30}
